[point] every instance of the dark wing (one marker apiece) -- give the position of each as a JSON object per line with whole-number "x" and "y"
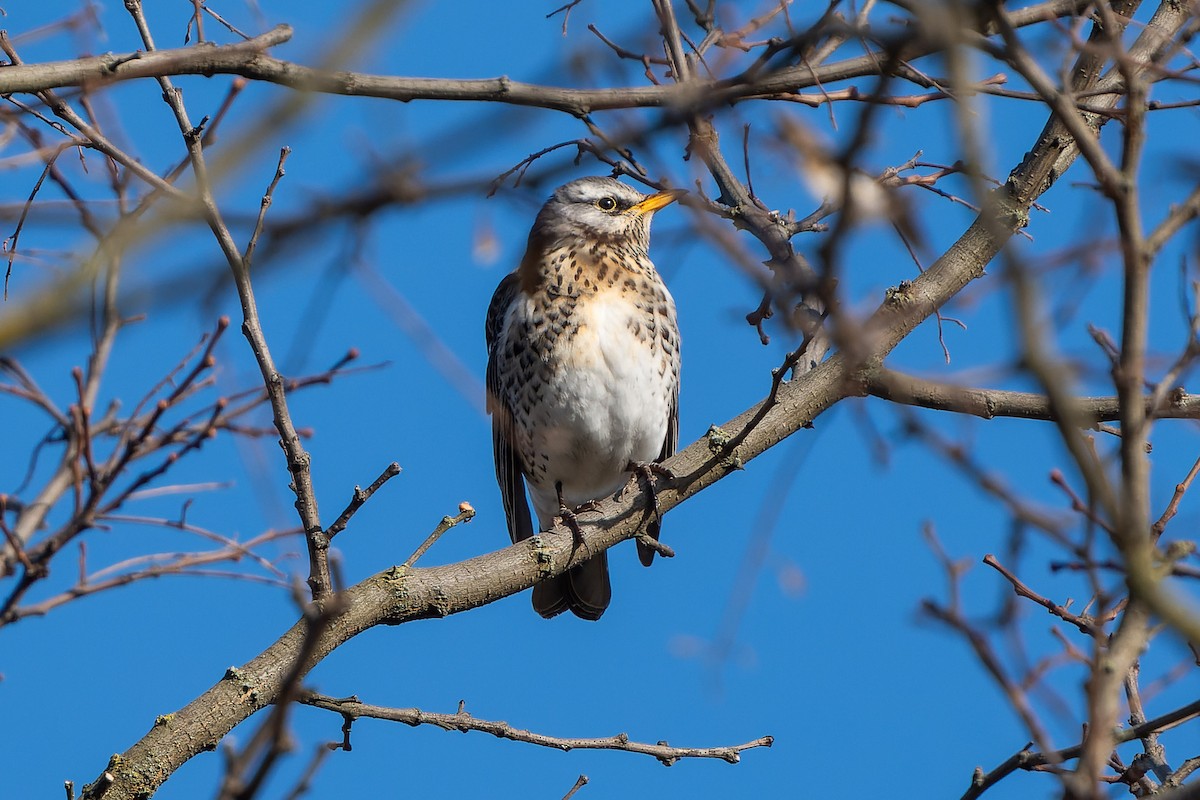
{"x": 553, "y": 595}
{"x": 646, "y": 554}
{"x": 509, "y": 470}
{"x": 502, "y": 298}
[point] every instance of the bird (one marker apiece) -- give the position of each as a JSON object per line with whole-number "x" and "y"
{"x": 583, "y": 372}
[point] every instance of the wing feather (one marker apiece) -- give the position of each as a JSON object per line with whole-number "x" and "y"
{"x": 510, "y": 472}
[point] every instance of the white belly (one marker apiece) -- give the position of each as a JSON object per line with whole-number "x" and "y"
{"x": 607, "y": 405}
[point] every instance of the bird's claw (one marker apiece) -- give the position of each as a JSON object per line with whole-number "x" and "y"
{"x": 586, "y": 508}
{"x": 646, "y": 471}
{"x": 570, "y": 516}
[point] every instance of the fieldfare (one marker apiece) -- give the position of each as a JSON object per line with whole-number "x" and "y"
{"x": 583, "y": 371}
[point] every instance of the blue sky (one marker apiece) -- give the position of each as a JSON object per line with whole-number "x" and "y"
{"x": 839, "y": 666}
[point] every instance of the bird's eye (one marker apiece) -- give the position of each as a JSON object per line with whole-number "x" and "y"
{"x": 606, "y": 204}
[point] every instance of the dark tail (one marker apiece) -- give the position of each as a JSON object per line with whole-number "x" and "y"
{"x": 584, "y": 589}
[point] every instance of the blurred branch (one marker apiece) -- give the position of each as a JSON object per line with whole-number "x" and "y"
{"x": 978, "y": 473}
{"x": 1179, "y": 216}
{"x": 247, "y": 771}
{"x": 1087, "y": 624}
{"x": 114, "y": 445}
{"x": 1030, "y": 760}
{"x": 99, "y": 70}
{"x": 952, "y": 615}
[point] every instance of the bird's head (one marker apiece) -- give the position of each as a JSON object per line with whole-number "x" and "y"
{"x": 600, "y": 208}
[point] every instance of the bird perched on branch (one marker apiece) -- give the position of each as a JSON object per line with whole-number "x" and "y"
{"x": 583, "y": 371}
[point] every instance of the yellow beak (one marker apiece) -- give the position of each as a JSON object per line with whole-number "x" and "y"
{"x": 656, "y": 201}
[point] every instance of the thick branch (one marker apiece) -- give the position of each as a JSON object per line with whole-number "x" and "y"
{"x": 910, "y": 390}
{"x": 247, "y": 59}
{"x": 203, "y": 58}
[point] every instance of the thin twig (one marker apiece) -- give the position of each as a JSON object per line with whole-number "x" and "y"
{"x": 465, "y": 514}
{"x": 352, "y": 708}
{"x": 361, "y": 496}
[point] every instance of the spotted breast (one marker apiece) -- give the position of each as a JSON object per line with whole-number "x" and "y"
{"x": 583, "y": 370}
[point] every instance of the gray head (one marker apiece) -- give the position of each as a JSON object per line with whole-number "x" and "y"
{"x": 599, "y": 208}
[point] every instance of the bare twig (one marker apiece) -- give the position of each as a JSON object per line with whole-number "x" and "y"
{"x": 361, "y": 496}
{"x": 465, "y": 514}
{"x": 298, "y": 459}
{"x": 352, "y": 708}
{"x": 580, "y": 782}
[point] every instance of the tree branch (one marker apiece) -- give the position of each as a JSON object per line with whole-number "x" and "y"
{"x": 351, "y": 709}
{"x": 247, "y": 59}
{"x": 899, "y": 387}
{"x": 1027, "y": 759}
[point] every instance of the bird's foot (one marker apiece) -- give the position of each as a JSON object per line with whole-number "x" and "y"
{"x": 646, "y": 471}
{"x": 570, "y": 516}
{"x": 590, "y": 507}
{"x": 651, "y": 468}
